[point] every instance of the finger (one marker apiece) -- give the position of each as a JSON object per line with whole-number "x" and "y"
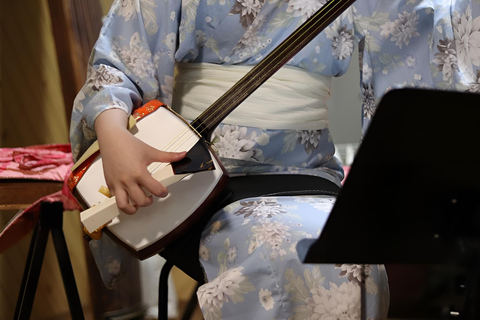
{"x": 155, "y": 187}
{"x": 136, "y": 194}
{"x": 148, "y": 202}
{"x": 123, "y": 204}
{"x": 167, "y": 157}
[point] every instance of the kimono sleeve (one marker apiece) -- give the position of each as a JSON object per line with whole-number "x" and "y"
{"x": 123, "y": 71}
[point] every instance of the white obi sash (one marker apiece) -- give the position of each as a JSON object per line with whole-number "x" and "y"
{"x": 291, "y": 99}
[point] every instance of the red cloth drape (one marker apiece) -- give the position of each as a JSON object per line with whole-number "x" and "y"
{"x": 42, "y": 162}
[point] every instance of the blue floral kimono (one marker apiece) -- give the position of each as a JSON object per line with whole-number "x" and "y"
{"x": 248, "y": 249}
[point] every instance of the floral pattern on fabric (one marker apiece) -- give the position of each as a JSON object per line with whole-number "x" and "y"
{"x": 234, "y": 143}
{"x": 318, "y": 302}
{"x": 229, "y": 286}
{"x": 104, "y": 75}
{"x": 264, "y": 208}
{"x": 308, "y": 291}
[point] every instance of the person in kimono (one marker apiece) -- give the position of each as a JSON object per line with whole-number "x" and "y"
{"x": 151, "y": 49}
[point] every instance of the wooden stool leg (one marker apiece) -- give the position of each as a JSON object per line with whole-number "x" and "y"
{"x": 51, "y": 219}
{"x": 55, "y": 217}
{"x": 33, "y": 266}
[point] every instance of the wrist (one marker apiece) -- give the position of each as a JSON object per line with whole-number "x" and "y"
{"x": 110, "y": 125}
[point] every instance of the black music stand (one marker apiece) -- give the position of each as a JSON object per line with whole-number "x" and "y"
{"x": 412, "y": 195}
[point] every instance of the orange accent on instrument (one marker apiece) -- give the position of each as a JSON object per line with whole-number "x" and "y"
{"x": 78, "y": 173}
{"x": 146, "y": 109}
